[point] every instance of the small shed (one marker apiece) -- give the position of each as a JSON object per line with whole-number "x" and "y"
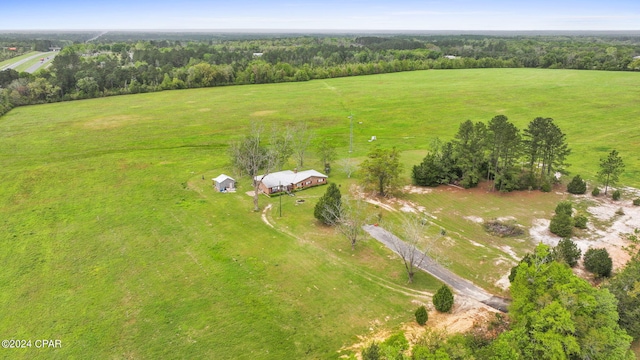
{"x": 224, "y": 183}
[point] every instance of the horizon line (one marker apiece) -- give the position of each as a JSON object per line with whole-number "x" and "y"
{"x": 263, "y": 30}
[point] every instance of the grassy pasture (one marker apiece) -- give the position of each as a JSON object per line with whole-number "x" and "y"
{"x": 113, "y": 243}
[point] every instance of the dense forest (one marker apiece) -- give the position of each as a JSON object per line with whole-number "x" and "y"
{"x": 95, "y": 65}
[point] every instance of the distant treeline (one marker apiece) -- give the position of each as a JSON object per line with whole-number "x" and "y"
{"x": 106, "y": 66}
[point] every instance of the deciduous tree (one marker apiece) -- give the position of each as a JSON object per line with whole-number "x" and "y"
{"x": 381, "y": 169}
{"x": 250, "y": 156}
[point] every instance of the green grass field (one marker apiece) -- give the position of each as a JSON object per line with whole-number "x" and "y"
{"x": 114, "y": 244}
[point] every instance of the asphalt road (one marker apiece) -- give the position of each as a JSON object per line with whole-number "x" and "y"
{"x": 34, "y": 67}
{"x": 460, "y": 285}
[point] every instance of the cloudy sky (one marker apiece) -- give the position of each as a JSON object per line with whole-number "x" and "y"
{"x": 321, "y": 15}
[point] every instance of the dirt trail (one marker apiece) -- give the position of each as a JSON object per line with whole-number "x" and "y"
{"x": 460, "y": 285}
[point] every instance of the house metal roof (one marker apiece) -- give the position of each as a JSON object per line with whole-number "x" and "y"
{"x": 222, "y": 177}
{"x": 287, "y": 177}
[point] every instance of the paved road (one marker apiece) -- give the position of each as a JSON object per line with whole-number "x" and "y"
{"x": 48, "y": 57}
{"x": 34, "y": 67}
{"x": 460, "y": 285}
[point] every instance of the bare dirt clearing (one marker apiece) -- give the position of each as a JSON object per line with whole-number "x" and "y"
{"x": 464, "y": 314}
{"x": 611, "y": 230}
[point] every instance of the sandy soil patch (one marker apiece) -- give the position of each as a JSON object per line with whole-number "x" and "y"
{"x": 263, "y": 113}
{"x": 381, "y": 204}
{"x": 612, "y": 236}
{"x": 507, "y": 249}
{"x": 264, "y": 215}
{"x": 462, "y": 317}
{"x": 412, "y": 189}
{"x": 475, "y": 219}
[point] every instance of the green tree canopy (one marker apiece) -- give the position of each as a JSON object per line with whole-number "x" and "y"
{"x": 328, "y": 207}
{"x": 625, "y": 286}
{"x": 557, "y": 315}
{"x": 381, "y": 169}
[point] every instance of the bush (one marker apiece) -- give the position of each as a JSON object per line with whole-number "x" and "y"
{"x": 372, "y": 352}
{"x": 443, "y": 299}
{"x": 577, "y": 185}
{"x": 564, "y": 207}
{"x": 595, "y": 191}
{"x": 561, "y": 225}
{"x": 546, "y": 187}
{"x": 616, "y": 195}
{"x": 422, "y": 315}
{"x": 398, "y": 342}
{"x": 636, "y": 202}
{"x": 580, "y": 221}
{"x": 567, "y": 251}
{"x": 598, "y": 262}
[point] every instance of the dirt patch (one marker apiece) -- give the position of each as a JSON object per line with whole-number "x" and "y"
{"x": 380, "y": 204}
{"x": 475, "y": 219}
{"x": 264, "y": 215}
{"x": 412, "y": 189}
{"x": 263, "y": 113}
{"x": 464, "y": 314}
{"x": 611, "y": 234}
{"x": 110, "y": 122}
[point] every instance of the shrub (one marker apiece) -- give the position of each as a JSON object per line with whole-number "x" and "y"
{"x": 567, "y": 251}
{"x": 616, "y": 195}
{"x": 561, "y": 225}
{"x": 422, "y": 315}
{"x": 546, "y": 187}
{"x": 371, "y": 352}
{"x": 620, "y": 212}
{"x": 443, "y": 299}
{"x": 396, "y": 341}
{"x": 564, "y": 207}
{"x": 636, "y": 202}
{"x": 577, "y": 185}
{"x": 595, "y": 191}
{"x": 598, "y": 262}
{"x": 580, "y": 221}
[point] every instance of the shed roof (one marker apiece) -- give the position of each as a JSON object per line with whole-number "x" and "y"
{"x": 223, "y": 177}
{"x": 287, "y": 177}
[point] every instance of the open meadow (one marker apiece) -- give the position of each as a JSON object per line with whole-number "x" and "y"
{"x": 114, "y": 241}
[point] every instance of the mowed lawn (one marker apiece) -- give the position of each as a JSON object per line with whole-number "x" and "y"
{"x": 114, "y": 244}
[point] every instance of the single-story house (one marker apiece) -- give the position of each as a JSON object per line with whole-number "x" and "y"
{"x": 289, "y": 180}
{"x": 224, "y": 183}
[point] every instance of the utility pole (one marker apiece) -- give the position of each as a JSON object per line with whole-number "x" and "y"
{"x": 280, "y": 185}
{"x": 351, "y": 133}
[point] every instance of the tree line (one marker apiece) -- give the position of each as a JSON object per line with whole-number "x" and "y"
{"x": 497, "y": 151}
{"x": 111, "y": 65}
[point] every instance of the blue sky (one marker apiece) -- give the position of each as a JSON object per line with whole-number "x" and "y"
{"x": 320, "y": 15}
